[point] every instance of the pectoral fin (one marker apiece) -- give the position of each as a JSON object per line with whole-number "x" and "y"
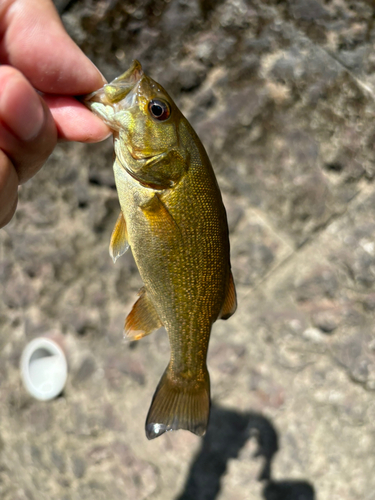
{"x": 119, "y": 239}
{"x": 230, "y": 301}
{"x": 142, "y": 319}
{"x": 159, "y": 217}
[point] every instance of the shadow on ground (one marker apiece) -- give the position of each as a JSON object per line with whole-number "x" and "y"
{"x": 227, "y": 434}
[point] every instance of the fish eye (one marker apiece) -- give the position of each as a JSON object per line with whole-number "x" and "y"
{"x": 159, "y": 110}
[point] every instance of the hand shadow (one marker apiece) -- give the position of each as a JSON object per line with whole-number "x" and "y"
{"x": 288, "y": 490}
{"x": 226, "y": 435}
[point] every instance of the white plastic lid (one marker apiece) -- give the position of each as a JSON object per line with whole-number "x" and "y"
{"x": 44, "y": 369}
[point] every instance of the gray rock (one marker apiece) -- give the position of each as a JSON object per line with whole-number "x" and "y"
{"x": 78, "y": 467}
{"x": 281, "y": 94}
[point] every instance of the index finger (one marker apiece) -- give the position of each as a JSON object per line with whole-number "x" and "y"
{"x": 33, "y": 40}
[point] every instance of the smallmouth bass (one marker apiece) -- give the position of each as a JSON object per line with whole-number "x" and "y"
{"x": 173, "y": 218}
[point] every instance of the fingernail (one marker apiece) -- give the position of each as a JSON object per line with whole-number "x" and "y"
{"x": 103, "y": 78}
{"x": 21, "y": 109}
{"x": 98, "y": 71}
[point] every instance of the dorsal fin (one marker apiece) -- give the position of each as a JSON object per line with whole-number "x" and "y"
{"x": 142, "y": 319}
{"x": 230, "y": 301}
{"x": 119, "y": 239}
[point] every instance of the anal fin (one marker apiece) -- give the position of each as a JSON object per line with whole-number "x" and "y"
{"x": 230, "y": 301}
{"x": 142, "y": 319}
{"x": 119, "y": 239}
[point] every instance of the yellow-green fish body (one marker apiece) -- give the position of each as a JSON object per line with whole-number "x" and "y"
{"x": 173, "y": 218}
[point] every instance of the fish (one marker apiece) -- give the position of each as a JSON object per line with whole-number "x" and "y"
{"x": 173, "y": 219}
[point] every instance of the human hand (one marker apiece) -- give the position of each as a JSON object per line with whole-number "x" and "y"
{"x": 36, "y": 54}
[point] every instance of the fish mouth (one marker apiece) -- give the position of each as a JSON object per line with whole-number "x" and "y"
{"x": 117, "y": 90}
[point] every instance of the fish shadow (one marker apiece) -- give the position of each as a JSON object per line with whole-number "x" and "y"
{"x": 227, "y": 433}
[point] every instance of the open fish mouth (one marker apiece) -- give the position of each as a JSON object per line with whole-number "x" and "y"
{"x": 117, "y": 90}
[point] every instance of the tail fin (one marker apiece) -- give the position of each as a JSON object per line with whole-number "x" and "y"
{"x": 179, "y": 404}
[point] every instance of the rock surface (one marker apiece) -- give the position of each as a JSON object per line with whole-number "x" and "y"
{"x": 282, "y": 96}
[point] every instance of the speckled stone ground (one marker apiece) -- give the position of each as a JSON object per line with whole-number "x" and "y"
{"x": 282, "y": 95}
